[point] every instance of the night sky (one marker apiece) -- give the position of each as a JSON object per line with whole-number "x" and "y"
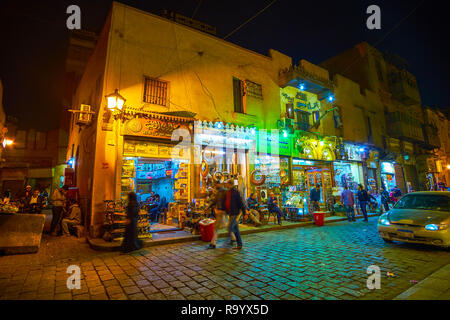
{"x": 34, "y": 40}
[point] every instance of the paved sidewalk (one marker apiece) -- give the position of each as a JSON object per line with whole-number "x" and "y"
{"x": 308, "y": 263}
{"x": 181, "y": 236}
{"x": 434, "y": 287}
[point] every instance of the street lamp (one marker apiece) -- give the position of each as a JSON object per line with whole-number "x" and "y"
{"x": 7, "y": 142}
{"x": 115, "y": 100}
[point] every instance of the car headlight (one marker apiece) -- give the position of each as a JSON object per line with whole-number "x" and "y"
{"x": 384, "y": 220}
{"x": 435, "y": 227}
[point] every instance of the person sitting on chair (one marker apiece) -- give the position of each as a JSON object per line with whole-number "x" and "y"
{"x": 73, "y": 218}
{"x": 273, "y": 207}
{"x": 253, "y": 213}
{"x": 35, "y": 203}
{"x": 154, "y": 212}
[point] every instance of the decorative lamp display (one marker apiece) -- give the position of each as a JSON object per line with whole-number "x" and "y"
{"x": 257, "y": 182}
{"x": 115, "y": 100}
{"x": 204, "y": 168}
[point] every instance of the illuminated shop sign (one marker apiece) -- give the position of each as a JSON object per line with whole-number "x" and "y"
{"x": 387, "y": 167}
{"x": 298, "y": 162}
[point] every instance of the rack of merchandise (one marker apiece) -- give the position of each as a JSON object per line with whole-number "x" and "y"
{"x": 181, "y": 188}
{"x": 115, "y": 221}
{"x": 128, "y": 174}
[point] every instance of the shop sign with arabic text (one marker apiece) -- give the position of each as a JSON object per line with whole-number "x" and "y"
{"x": 155, "y": 128}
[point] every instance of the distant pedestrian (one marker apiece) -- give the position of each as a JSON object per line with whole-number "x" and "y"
{"x": 396, "y": 193}
{"x": 130, "y": 241}
{"x": 233, "y": 204}
{"x": 348, "y": 200}
{"x": 363, "y": 198}
{"x": 314, "y": 197}
{"x": 216, "y": 203}
{"x": 385, "y": 199}
{"x": 58, "y": 201}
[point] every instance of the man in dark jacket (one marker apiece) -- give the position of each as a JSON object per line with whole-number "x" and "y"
{"x": 363, "y": 198}
{"x": 385, "y": 199}
{"x": 314, "y": 197}
{"x": 233, "y": 204}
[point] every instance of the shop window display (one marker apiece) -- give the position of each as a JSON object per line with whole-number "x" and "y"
{"x": 307, "y": 174}
{"x": 388, "y": 175}
{"x": 166, "y": 178}
{"x": 347, "y": 175}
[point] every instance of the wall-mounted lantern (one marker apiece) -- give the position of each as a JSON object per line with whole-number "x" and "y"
{"x": 115, "y": 101}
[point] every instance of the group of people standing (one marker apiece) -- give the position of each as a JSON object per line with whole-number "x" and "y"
{"x": 364, "y": 198}
{"x": 65, "y": 211}
{"x": 225, "y": 201}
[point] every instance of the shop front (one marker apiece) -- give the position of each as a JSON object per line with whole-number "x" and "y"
{"x": 312, "y": 165}
{"x": 271, "y": 175}
{"x": 152, "y": 166}
{"x": 221, "y": 152}
{"x": 306, "y": 174}
{"x": 388, "y": 179}
{"x": 349, "y": 172}
{"x": 270, "y": 167}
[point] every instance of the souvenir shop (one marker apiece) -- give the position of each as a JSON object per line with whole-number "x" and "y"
{"x": 349, "y": 172}
{"x": 156, "y": 170}
{"x": 270, "y": 174}
{"x": 308, "y": 173}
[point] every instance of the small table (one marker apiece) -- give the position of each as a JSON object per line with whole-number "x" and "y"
{"x": 293, "y": 213}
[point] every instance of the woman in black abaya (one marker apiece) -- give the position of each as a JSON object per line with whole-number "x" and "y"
{"x": 130, "y": 240}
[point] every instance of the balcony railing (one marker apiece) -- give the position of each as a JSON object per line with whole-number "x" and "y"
{"x": 431, "y": 137}
{"x": 403, "y": 87}
{"x": 314, "y": 78}
{"x": 402, "y": 126}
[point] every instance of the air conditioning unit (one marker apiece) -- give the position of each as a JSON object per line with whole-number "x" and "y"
{"x": 83, "y": 116}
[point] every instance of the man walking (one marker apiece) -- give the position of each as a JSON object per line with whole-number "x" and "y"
{"x": 58, "y": 199}
{"x": 384, "y": 199}
{"x": 233, "y": 204}
{"x": 363, "y": 198}
{"x": 348, "y": 200}
{"x": 216, "y": 202}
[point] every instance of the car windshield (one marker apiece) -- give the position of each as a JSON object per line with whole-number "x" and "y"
{"x": 424, "y": 202}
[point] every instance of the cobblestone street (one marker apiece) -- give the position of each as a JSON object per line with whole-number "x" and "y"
{"x": 329, "y": 262}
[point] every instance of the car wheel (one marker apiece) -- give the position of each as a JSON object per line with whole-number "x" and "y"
{"x": 387, "y": 240}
